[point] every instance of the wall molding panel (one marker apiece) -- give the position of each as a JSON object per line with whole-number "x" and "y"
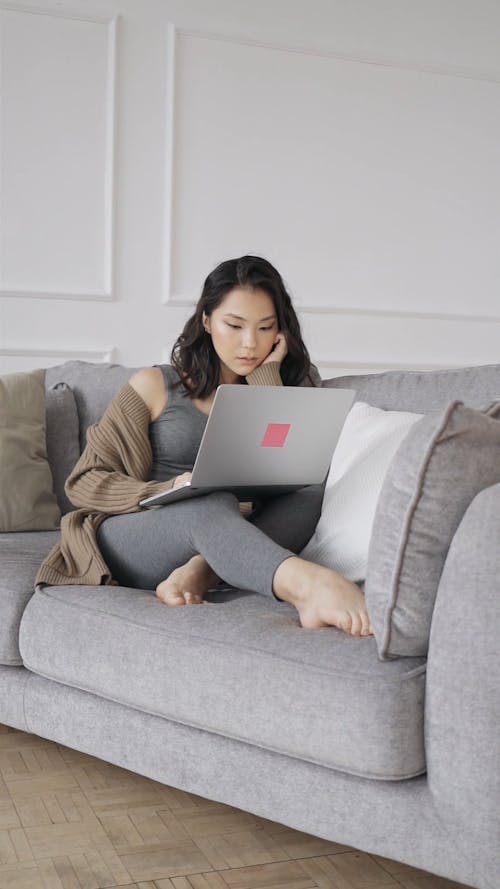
{"x": 100, "y": 295}
{"x": 24, "y": 358}
{"x": 185, "y": 87}
{"x": 304, "y": 309}
{"x": 141, "y": 144}
{"x": 57, "y": 184}
{"x": 389, "y": 313}
{"x": 54, "y": 13}
{"x": 476, "y": 73}
{"x": 168, "y": 239}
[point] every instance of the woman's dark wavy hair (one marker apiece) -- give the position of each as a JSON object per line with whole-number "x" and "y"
{"x": 193, "y": 354}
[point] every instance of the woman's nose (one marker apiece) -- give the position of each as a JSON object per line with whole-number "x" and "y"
{"x": 248, "y": 339}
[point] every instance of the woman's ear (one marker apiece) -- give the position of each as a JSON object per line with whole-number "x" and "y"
{"x": 206, "y": 322}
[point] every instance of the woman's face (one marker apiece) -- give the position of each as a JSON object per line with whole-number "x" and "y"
{"x": 243, "y": 330}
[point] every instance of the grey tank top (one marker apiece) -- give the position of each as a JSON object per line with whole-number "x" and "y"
{"x": 176, "y": 434}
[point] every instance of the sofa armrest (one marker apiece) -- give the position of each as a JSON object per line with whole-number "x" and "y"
{"x": 462, "y": 707}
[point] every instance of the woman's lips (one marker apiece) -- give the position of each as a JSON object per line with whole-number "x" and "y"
{"x": 248, "y": 360}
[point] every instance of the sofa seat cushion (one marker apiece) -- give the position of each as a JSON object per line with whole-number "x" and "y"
{"x": 240, "y": 666}
{"x": 21, "y": 554}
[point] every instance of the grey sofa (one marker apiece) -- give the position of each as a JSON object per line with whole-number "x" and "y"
{"x": 238, "y": 703}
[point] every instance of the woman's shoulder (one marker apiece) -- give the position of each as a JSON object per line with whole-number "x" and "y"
{"x": 149, "y": 383}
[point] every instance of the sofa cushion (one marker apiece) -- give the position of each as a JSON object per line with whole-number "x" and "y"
{"x": 62, "y": 434}
{"x": 368, "y": 441}
{"x": 27, "y": 498}
{"x": 423, "y": 391}
{"x": 20, "y": 558}
{"x": 447, "y": 458}
{"x": 94, "y": 386}
{"x": 240, "y": 666}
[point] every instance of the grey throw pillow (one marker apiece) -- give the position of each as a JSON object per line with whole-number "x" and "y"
{"x": 27, "y": 498}
{"x": 63, "y": 438}
{"x": 445, "y": 460}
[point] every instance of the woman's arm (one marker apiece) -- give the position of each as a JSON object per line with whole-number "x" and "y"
{"x": 149, "y": 384}
{"x": 268, "y": 373}
{"x": 265, "y": 375}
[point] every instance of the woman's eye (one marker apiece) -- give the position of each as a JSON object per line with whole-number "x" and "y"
{"x": 237, "y": 326}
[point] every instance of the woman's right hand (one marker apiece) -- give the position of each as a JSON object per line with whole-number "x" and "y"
{"x": 181, "y": 480}
{"x": 279, "y": 350}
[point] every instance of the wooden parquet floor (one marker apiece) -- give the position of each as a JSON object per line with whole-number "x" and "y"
{"x": 71, "y": 821}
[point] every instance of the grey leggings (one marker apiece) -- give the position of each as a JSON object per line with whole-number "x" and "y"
{"x": 141, "y": 549}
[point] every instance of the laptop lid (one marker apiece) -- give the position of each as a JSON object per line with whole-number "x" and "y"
{"x": 270, "y": 436}
{"x": 264, "y": 440}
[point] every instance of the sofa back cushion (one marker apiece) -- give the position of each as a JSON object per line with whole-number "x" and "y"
{"x": 93, "y": 385}
{"x": 63, "y": 438}
{"x": 423, "y": 391}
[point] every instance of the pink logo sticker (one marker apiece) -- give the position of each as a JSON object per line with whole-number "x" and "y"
{"x": 275, "y": 435}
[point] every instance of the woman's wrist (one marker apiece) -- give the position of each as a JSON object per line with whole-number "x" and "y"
{"x": 267, "y": 374}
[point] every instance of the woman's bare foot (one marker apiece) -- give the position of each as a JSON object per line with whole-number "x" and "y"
{"x": 187, "y": 584}
{"x": 322, "y": 597}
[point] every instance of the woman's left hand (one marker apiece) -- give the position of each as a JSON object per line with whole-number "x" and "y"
{"x": 279, "y": 351}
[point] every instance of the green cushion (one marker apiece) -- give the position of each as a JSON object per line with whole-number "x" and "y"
{"x": 27, "y": 499}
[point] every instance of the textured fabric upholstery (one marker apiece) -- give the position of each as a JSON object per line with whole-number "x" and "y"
{"x": 446, "y": 821}
{"x": 27, "y": 498}
{"x": 445, "y": 460}
{"x": 231, "y": 667}
{"x": 62, "y": 434}
{"x": 20, "y": 557}
{"x": 462, "y": 707}
{"x": 94, "y": 386}
{"x": 422, "y": 391}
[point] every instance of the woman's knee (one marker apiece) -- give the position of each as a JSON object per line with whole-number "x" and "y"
{"x": 217, "y": 501}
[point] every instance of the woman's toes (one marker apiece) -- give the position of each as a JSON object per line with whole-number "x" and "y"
{"x": 356, "y": 625}
{"x": 174, "y": 599}
{"x": 169, "y": 596}
{"x": 346, "y": 623}
{"x": 192, "y": 598}
{"x": 367, "y": 630}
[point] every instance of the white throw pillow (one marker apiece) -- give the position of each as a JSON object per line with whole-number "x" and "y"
{"x": 369, "y": 439}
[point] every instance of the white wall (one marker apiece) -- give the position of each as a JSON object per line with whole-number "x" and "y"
{"x": 355, "y": 145}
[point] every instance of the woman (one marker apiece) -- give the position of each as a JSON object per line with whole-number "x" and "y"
{"x": 244, "y": 331}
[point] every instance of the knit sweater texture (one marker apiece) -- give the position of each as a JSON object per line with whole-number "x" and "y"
{"x": 111, "y": 478}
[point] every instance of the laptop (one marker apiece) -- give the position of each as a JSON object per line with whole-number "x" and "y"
{"x": 261, "y": 441}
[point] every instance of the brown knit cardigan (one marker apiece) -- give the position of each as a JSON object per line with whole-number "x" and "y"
{"x": 110, "y": 478}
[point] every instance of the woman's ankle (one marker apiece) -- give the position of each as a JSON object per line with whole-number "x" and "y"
{"x": 200, "y": 563}
{"x": 286, "y": 580}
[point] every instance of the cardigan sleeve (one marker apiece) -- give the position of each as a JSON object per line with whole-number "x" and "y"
{"x": 265, "y": 375}
{"x": 269, "y": 375}
{"x": 111, "y": 475}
